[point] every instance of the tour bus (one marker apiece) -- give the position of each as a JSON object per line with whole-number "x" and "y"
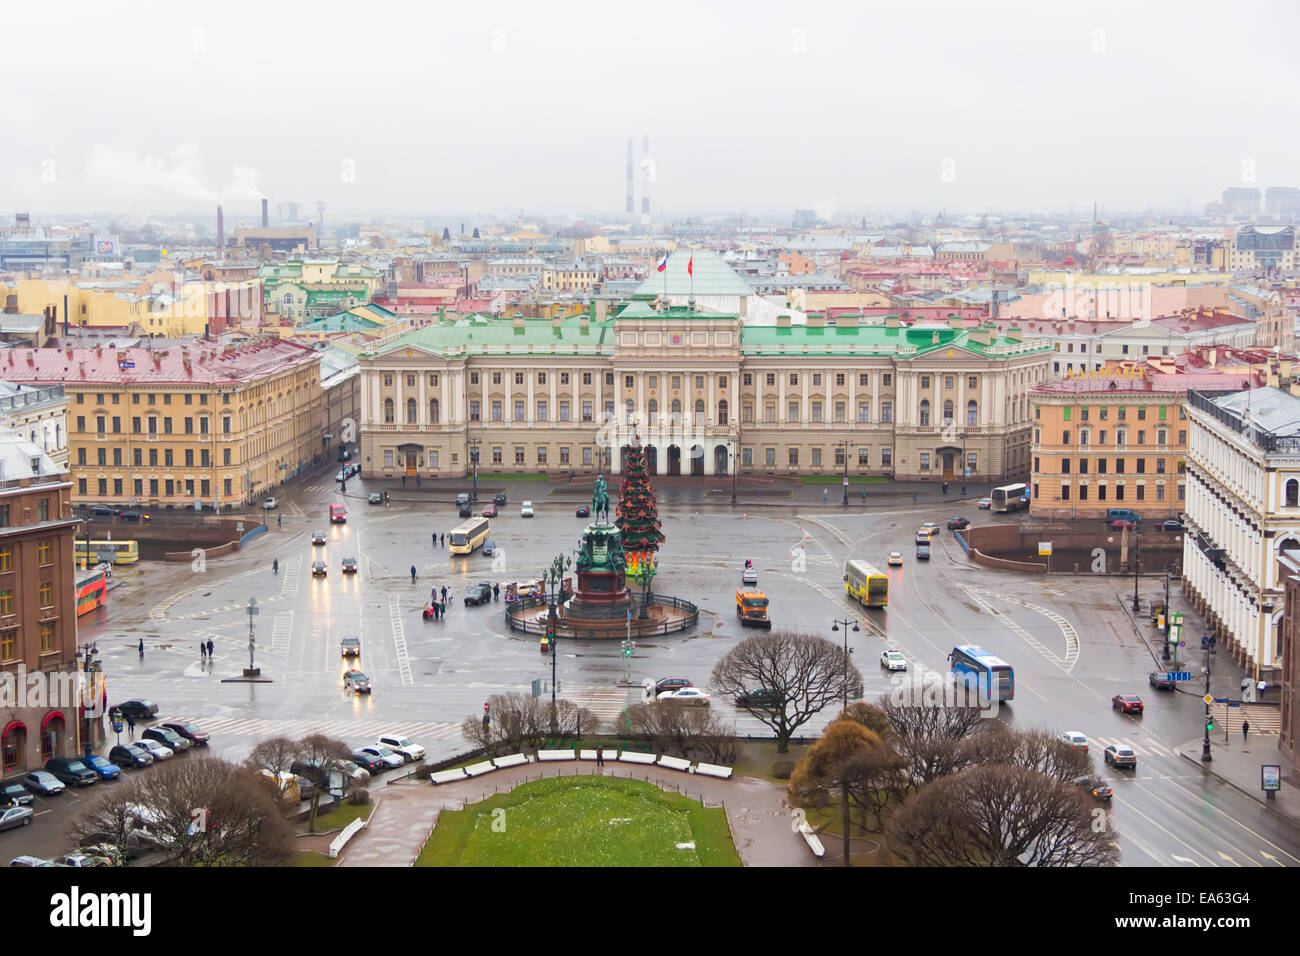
{"x": 465, "y": 537}
{"x": 92, "y": 588}
{"x": 1010, "y": 498}
{"x": 118, "y": 552}
{"x": 865, "y": 584}
{"x": 994, "y": 677}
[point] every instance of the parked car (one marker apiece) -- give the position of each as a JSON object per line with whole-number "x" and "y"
{"x": 462, "y": 500}
{"x": 1160, "y": 680}
{"x": 489, "y": 548}
{"x": 985, "y": 504}
{"x": 159, "y": 750}
{"x": 1095, "y": 787}
{"x": 654, "y": 688}
{"x": 140, "y": 708}
{"x": 30, "y": 861}
{"x": 1128, "y": 703}
{"x": 168, "y": 738}
{"x": 190, "y": 732}
{"x": 351, "y": 646}
{"x": 81, "y": 859}
{"x": 957, "y": 524}
{"x": 319, "y": 570}
{"x": 130, "y": 757}
{"x": 106, "y": 769}
{"x": 43, "y": 783}
{"x": 356, "y": 682}
{"x": 12, "y": 817}
{"x": 388, "y": 758}
{"x": 480, "y": 593}
{"x": 403, "y": 746}
{"x": 895, "y": 559}
{"x": 368, "y": 762}
{"x": 686, "y": 695}
{"x": 13, "y": 792}
{"x": 375, "y": 498}
{"x": 489, "y": 511}
{"x": 347, "y": 471}
{"x": 526, "y": 509}
{"x": 136, "y": 516}
{"x": 759, "y": 697}
{"x": 102, "y": 511}
{"x": 749, "y": 576}
{"x": 1076, "y": 740}
{"x": 1119, "y": 524}
{"x": 318, "y": 537}
{"x": 893, "y": 661}
{"x": 582, "y": 511}
{"x": 499, "y": 498}
{"x": 1117, "y": 755}
{"x": 270, "y": 504}
{"x": 349, "y": 565}
{"x": 1170, "y": 524}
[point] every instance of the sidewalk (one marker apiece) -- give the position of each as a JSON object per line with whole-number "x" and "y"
{"x": 756, "y": 810}
{"x": 1238, "y": 766}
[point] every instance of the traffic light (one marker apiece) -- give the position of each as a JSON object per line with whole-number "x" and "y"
{"x": 1209, "y": 722}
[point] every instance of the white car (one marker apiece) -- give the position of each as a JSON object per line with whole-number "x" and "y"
{"x": 895, "y": 559}
{"x": 159, "y": 751}
{"x": 270, "y": 504}
{"x": 687, "y": 695}
{"x": 893, "y": 661}
{"x": 1076, "y": 740}
{"x": 749, "y": 576}
{"x": 404, "y": 746}
{"x": 526, "y": 509}
{"x": 391, "y": 760}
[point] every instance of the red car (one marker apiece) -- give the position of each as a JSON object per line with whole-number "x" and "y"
{"x": 1128, "y": 703}
{"x": 1119, "y": 524}
{"x": 490, "y": 511}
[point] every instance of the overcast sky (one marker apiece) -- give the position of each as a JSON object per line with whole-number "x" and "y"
{"x": 454, "y": 108}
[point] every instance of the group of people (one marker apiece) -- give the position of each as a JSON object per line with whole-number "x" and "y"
{"x": 439, "y": 540}
{"x": 206, "y": 651}
{"x": 437, "y": 606}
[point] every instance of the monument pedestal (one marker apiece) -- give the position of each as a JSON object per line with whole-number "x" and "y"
{"x": 602, "y": 595}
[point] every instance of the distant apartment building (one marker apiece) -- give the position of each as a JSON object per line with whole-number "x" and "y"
{"x": 1242, "y": 515}
{"x": 1282, "y": 202}
{"x": 1240, "y": 203}
{"x": 38, "y": 414}
{"x": 570, "y": 277}
{"x": 173, "y": 426}
{"x": 300, "y": 290}
{"x": 38, "y": 618}
{"x": 266, "y": 240}
{"x": 1263, "y": 247}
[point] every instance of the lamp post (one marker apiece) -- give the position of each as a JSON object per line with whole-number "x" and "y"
{"x": 1205, "y": 742}
{"x": 554, "y": 579}
{"x": 253, "y": 611}
{"x": 844, "y": 790}
{"x": 1164, "y": 651}
{"x": 846, "y": 445}
{"x": 735, "y": 473}
{"x": 89, "y": 664}
{"x": 1137, "y": 561}
{"x": 473, "y": 457}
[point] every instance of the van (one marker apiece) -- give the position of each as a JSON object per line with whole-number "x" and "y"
{"x": 1126, "y": 514}
{"x": 338, "y": 514}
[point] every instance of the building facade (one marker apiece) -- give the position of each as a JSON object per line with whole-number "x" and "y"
{"x": 183, "y": 426}
{"x": 40, "y": 415}
{"x": 1289, "y": 678}
{"x": 1243, "y": 512}
{"x": 38, "y": 619}
{"x": 705, "y": 393}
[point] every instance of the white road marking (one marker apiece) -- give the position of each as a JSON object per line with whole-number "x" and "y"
{"x": 282, "y": 632}
{"x": 399, "y": 640}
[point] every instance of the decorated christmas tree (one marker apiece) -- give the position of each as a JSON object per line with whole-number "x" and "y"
{"x": 638, "y": 514}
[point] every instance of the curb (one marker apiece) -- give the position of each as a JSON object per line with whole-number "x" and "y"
{"x": 1253, "y": 794}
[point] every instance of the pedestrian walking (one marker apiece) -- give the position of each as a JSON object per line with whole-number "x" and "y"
{"x": 496, "y": 592}
{"x": 444, "y": 592}
{"x": 435, "y": 539}
{"x": 963, "y": 487}
{"x": 600, "y": 756}
{"x": 1245, "y": 729}
{"x": 417, "y": 481}
{"x": 203, "y": 651}
{"x": 403, "y": 481}
{"x": 1262, "y": 686}
{"x": 945, "y": 487}
{"x": 913, "y": 496}
{"x": 412, "y": 574}
{"x": 130, "y": 726}
{"x": 434, "y": 604}
{"x": 825, "y": 495}
{"x": 443, "y": 539}
{"x": 142, "y": 648}
{"x": 433, "y": 593}
{"x": 211, "y": 647}
{"x": 275, "y": 566}
{"x": 279, "y": 521}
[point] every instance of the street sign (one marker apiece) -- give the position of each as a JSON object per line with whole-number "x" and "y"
{"x": 1182, "y": 643}
{"x": 1270, "y": 777}
{"x": 1208, "y": 699}
{"x": 1179, "y": 675}
{"x": 1220, "y": 700}
{"x": 1044, "y": 549}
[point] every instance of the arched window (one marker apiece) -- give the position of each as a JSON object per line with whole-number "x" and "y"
{"x": 947, "y": 413}
{"x": 1293, "y": 494}
{"x": 699, "y": 411}
{"x": 925, "y": 411}
{"x": 677, "y": 411}
{"x": 972, "y": 412}
{"x": 653, "y": 410}
{"x": 388, "y": 411}
{"x": 722, "y": 413}
{"x": 411, "y": 417}
{"x": 434, "y": 412}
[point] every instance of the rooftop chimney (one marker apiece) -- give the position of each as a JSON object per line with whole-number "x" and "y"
{"x": 783, "y": 321}
{"x": 816, "y": 320}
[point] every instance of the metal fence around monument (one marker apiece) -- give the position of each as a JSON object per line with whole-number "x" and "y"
{"x": 639, "y": 628}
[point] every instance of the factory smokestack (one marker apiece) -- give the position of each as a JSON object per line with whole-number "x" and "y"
{"x": 265, "y": 220}
{"x": 631, "y": 181}
{"x": 221, "y": 230}
{"x": 647, "y": 177}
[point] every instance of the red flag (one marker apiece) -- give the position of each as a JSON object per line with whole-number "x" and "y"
{"x": 690, "y": 266}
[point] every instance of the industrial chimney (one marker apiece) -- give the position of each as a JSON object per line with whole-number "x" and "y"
{"x": 631, "y": 182}
{"x": 221, "y": 230}
{"x": 265, "y": 220}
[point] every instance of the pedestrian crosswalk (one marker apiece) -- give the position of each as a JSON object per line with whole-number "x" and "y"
{"x": 282, "y": 631}
{"x": 1263, "y": 719}
{"x": 292, "y": 569}
{"x": 1142, "y": 748}
{"x": 347, "y": 730}
{"x": 606, "y": 703}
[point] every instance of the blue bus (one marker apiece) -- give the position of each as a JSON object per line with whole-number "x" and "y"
{"x": 994, "y": 677}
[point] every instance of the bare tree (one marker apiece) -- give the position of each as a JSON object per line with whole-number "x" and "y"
{"x": 573, "y": 720}
{"x": 275, "y": 755}
{"x": 805, "y": 673}
{"x": 1000, "y": 815}
{"x": 328, "y": 755}
{"x": 109, "y": 822}
{"x": 682, "y": 729}
{"x": 1038, "y": 750}
{"x": 928, "y": 738}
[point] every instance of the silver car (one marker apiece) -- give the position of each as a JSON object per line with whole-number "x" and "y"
{"x": 11, "y": 817}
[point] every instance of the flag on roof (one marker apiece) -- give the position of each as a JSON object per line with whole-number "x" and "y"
{"x": 663, "y": 263}
{"x": 690, "y": 266}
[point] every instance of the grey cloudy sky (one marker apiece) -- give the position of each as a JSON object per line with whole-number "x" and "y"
{"x": 441, "y": 108}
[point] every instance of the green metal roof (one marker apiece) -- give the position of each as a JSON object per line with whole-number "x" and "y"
{"x": 713, "y": 276}
{"x": 477, "y": 335}
{"x": 873, "y": 339}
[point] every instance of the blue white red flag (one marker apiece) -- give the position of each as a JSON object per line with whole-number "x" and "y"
{"x": 663, "y": 264}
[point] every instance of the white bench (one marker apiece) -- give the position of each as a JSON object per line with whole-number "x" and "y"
{"x": 514, "y": 760}
{"x": 611, "y": 753}
{"x": 555, "y": 755}
{"x": 480, "y": 768}
{"x": 675, "y": 763}
{"x": 811, "y": 838}
{"x": 340, "y": 841}
{"x": 713, "y": 770}
{"x": 628, "y": 756}
{"x": 447, "y": 776}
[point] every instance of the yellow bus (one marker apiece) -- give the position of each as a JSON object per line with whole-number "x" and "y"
{"x": 119, "y": 552}
{"x": 865, "y": 584}
{"x": 466, "y": 537}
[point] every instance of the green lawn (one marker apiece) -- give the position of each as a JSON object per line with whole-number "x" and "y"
{"x": 310, "y": 858}
{"x": 839, "y": 479}
{"x": 328, "y": 818}
{"x": 582, "y": 821}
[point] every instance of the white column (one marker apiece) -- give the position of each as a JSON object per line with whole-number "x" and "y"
{"x": 507, "y": 409}
{"x": 780, "y": 394}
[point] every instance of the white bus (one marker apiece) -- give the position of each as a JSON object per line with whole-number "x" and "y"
{"x": 464, "y": 538}
{"x": 1010, "y": 498}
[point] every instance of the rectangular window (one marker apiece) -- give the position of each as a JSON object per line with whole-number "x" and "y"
{"x": 496, "y": 455}
{"x": 541, "y": 411}
{"x": 793, "y": 412}
{"x": 794, "y": 378}
{"x": 117, "y": 457}
{"x": 1065, "y": 492}
{"x": 519, "y": 410}
{"x": 839, "y": 411}
{"x": 887, "y": 380}
{"x": 189, "y": 457}
{"x": 839, "y": 378}
{"x": 586, "y": 455}
{"x": 629, "y": 382}
{"x": 925, "y": 461}
{"x": 81, "y": 456}
{"x": 887, "y": 412}
{"x": 153, "y": 487}
{"x": 1083, "y": 466}
{"x": 1142, "y": 436}
{"x": 1142, "y": 465}
{"x": 203, "y": 425}
{"x": 189, "y": 426}
{"x": 864, "y": 457}
{"x": 925, "y": 381}
{"x": 747, "y": 457}
{"x": 1160, "y": 466}
{"x": 102, "y": 455}
{"x": 541, "y": 454}
{"x": 1160, "y": 491}
{"x": 864, "y": 380}
{"x": 43, "y": 552}
{"x": 1142, "y": 414}
{"x": 475, "y": 410}
{"x": 816, "y": 411}
{"x": 139, "y": 487}
{"x": 497, "y": 413}
{"x": 1101, "y": 466}
{"x": 1141, "y": 492}
{"x": 519, "y": 454}
{"x": 948, "y": 381}
{"x": 564, "y": 454}
{"x": 1083, "y": 492}
{"x": 817, "y": 457}
{"x": 225, "y": 456}
{"x": 167, "y": 457}
{"x": 771, "y": 379}
{"x": 864, "y": 411}
{"x": 1065, "y": 466}
{"x": 769, "y": 457}
{"x": 586, "y": 410}
{"x": 1119, "y": 466}
{"x": 1119, "y": 492}
{"x": 794, "y": 457}
{"x": 886, "y": 458}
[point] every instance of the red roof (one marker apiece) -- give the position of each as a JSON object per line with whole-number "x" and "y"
{"x": 196, "y": 364}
